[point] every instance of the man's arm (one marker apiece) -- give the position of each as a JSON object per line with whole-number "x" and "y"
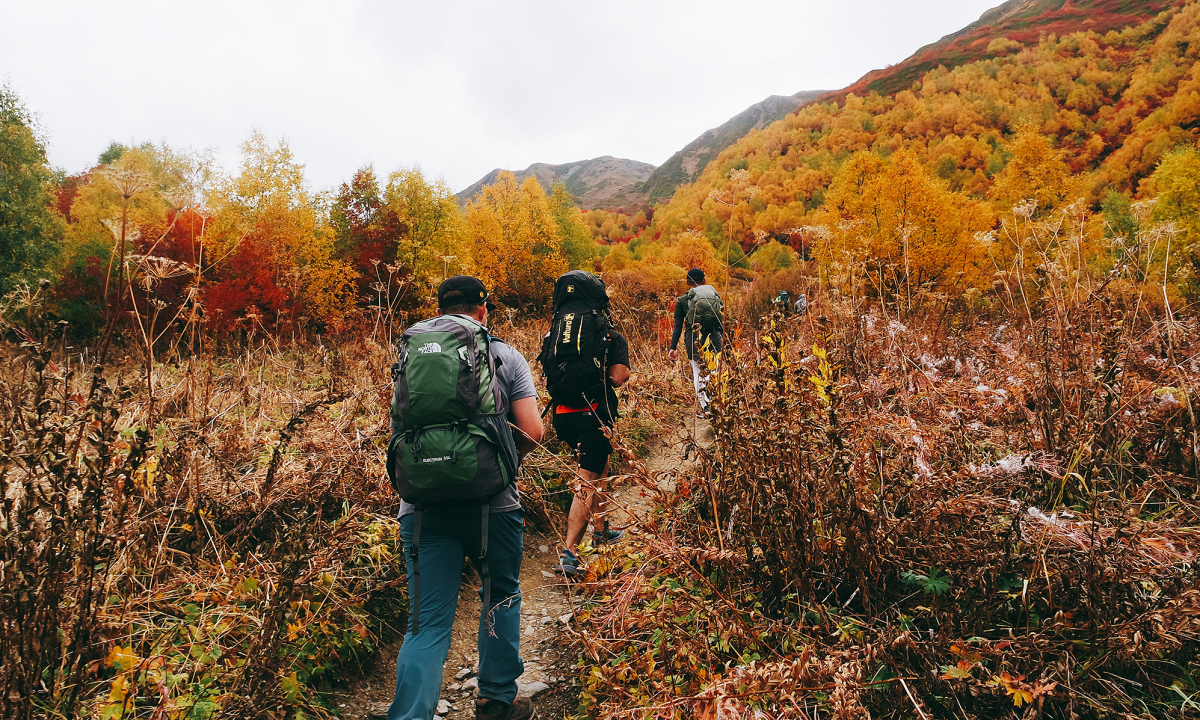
{"x": 680, "y": 314}
{"x": 524, "y": 415}
{"x": 618, "y": 375}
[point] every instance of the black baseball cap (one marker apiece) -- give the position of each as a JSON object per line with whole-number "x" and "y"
{"x": 696, "y": 275}
{"x": 463, "y": 290}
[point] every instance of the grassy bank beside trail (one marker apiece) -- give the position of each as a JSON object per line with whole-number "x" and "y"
{"x": 233, "y": 555}
{"x": 943, "y": 517}
{"x": 986, "y": 519}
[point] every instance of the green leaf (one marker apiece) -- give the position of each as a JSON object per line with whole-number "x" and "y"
{"x": 935, "y": 584}
{"x": 932, "y": 584}
{"x": 291, "y": 688}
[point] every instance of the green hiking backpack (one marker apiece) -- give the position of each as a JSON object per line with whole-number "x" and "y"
{"x": 705, "y": 309}
{"x": 451, "y": 444}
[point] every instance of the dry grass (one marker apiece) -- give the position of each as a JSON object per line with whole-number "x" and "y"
{"x": 993, "y": 519}
{"x": 939, "y": 518}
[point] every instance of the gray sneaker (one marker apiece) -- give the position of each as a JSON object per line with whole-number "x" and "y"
{"x": 521, "y": 709}
{"x": 568, "y": 565}
{"x": 606, "y": 536}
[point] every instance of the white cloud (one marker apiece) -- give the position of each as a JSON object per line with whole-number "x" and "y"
{"x": 459, "y": 87}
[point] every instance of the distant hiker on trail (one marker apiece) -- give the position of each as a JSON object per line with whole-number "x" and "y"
{"x": 453, "y": 457}
{"x": 699, "y": 316}
{"x": 584, "y": 360}
{"x": 801, "y": 305}
{"x": 781, "y": 302}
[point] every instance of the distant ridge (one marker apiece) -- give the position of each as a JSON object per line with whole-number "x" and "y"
{"x": 1021, "y": 21}
{"x": 600, "y": 182}
{"x": 613, "y": 182}
{"x": 687, "y": 164}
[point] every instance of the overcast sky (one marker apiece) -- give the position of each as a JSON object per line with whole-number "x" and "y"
{"x": 458, "y": 88}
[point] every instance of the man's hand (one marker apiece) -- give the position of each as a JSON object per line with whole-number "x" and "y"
{"x": 674, "y": 355}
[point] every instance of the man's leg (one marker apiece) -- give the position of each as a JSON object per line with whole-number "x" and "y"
{"x": 500, "y": 626}
{"x": 586, "y": 504}
{"x": 422, "y": 656}
{"x": 700, "y": 380}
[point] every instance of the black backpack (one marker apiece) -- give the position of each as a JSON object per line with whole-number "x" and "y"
{"x": 573, "y": 352}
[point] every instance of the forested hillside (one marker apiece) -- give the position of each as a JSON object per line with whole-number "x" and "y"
{"x": 1098, "y": 114}
{"x": 1015, "y": 23}
{"x": 685, "y": 165}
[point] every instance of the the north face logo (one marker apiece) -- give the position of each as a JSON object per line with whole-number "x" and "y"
{"x": 430, "y": 347}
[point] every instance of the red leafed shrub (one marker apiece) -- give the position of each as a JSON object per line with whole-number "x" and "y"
{"x": 246, "y": 293}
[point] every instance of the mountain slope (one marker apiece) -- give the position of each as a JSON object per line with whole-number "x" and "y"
{"x": 687, "y": 164}
{"x": 599, "y": 182}
{"x": 1022, "y": 22}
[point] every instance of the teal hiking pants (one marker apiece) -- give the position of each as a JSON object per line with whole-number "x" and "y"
{"x": 446, "y": 537}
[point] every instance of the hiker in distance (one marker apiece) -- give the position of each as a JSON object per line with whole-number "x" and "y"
{"x": 700, "y": 318}
{"x": 464, "y": 413}
{"x": 584, "y": 360}
{"x": 782, "y": 304}
{"x": 801, "y": 305}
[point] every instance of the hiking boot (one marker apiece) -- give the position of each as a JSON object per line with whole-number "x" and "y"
{"x": 606, "y": 536}
{"x": 568, "y": 565}
{"x": 521, "y": 709}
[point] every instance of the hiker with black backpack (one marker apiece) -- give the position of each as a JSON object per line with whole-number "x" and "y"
{"x": 700, "y": 319}
{"x": 584, "y": 360}
{"x": 464, "y": 413}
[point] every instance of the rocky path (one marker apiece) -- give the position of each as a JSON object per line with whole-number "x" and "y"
{"x": 550, "y": 677}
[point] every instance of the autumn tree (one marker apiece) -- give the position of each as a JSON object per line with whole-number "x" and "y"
{"x": 368, "y": 234}
{"x": 30, "y": 226}
{"x": 120, "y": 214}
{"x": 579, "y": 249}
{"x": 515, "y": 241}
{"x": 1036, "y": 173}
{"x": 1177, "y": 185}
{"x": 430, "y": 247}
{"x": 900, "y": 233}
{"x": 772, "y": 256}
{"x": 274, "y": 248}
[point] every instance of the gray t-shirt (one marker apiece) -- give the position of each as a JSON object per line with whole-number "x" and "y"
{"x": 516, "y": 382}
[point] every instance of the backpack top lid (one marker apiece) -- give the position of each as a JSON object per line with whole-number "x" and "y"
{"x": 580, "y": 286}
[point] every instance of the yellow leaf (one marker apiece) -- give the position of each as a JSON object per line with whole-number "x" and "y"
{"x": 1020, "y": 696}
{"x": 121, "y": 658}
{"x": 120, "y": 689}
{"x": 962, "y": 671}
{"x": 291, "y": 688}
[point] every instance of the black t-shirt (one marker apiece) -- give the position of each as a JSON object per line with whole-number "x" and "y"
{"x": 616, "y": 352}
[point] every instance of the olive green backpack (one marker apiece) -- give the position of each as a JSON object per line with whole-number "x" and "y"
{"x": 451, "y": 445}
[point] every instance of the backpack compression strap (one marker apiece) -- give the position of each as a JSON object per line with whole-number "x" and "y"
{"x": 484, "y": 574}
{"x": 492, "y": 365}
{"x": 414, "y": 607}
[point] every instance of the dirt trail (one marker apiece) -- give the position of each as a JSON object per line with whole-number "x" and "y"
{"x": 545, "y": 613}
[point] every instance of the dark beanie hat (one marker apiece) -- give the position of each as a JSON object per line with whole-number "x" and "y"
{"x": 696, "y": 275}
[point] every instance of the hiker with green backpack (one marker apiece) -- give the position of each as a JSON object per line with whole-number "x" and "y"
{"x": 700, "y": 318}
{"x": 464, "y": 413}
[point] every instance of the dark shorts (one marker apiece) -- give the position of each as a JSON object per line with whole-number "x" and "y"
{"x": 581, "y": 431}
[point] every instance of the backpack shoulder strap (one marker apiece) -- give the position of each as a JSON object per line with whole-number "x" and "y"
{"x": 493, "y": 363}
